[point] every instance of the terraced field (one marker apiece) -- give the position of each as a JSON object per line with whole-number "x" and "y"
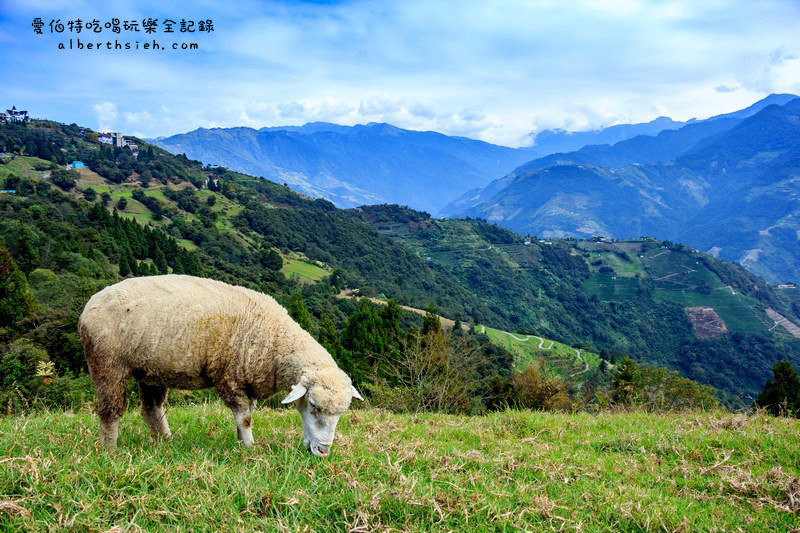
{"x": 560, "y": 359}
{"x": 676, "y": 277}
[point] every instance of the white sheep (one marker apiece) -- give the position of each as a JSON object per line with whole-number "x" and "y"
{"x": 194, "y": 333}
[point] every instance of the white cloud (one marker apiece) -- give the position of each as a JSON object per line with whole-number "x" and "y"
{"x": 494, "y": 70}
{"x": 139, "y": 119}
{"x": 106, "y": 115}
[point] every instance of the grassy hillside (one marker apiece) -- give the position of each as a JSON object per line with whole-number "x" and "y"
{"x": 677, "y": 275}
{"x": 505, "y": 471}
{"x": 567, "y": 361}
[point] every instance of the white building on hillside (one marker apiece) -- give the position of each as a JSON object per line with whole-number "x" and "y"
{"x": 16, "y": 115}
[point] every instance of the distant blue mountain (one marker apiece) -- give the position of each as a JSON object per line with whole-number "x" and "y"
{"x": 381, "y": 163}
{"x": 355, "y": 165}
{"x": 375, "y": 162}
{"x": 552, "y": 141}
{"x": 666, "y": 145}
{"x": 729, "y": 185}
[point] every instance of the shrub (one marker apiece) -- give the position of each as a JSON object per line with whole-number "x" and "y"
{"x": 18, "y": 374}
{"x": 16, "y": 300}
{"x": 65, "y": 179}
{"x": 659, "y": 389}
{"x": 532, "y": 390}
{"x": 431, "y": 372}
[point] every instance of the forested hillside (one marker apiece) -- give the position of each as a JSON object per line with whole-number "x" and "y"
{"x": 629, "y": 297}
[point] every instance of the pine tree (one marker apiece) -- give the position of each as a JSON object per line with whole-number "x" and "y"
{"x": 271, "y": 259}
{"x": 16, "y": 300}
{"x": 431, "y": 322}
{"x": 328, "y": 336}
{"x": 391, "y": 318}
{"x": 124, "y": 266}
{"x": 623, "y": 383}
{"x": 781, "y": 395}
{"x": 160, "y": 260}
{"x": 298, "y": 311}
{"x": 177, "y": 265}
{"x": 27, "y": 253}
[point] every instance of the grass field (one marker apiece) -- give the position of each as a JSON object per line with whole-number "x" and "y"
{"x": 304, "y": 271}
{"x": 21, "y": 166}
{"x": 611, "y": 288}
{"x": 560, "y": 358}
{"x": 506, "y": 471}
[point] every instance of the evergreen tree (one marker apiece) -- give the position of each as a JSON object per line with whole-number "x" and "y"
{"x": 160, "y": 260}
{"x": 623, "y": 382}
{"x": 124, "y": 266}
{"x": 328, "y": 336}
{"x": 27, "y": 252}
{"x": 177, "y": 265}
{"x": 271, "y": 259}
{"x": 365, "y": 332}
{"x": 298, "y": 311}
{"x": 390, "y": 315}
{"x": 431, "y": 322}
{"x": 16, "y": 300}
{"x": 781, "y": 395}
{"x": 90, "y": 194}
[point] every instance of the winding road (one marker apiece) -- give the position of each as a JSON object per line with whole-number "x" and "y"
{"x": 552, "y": 345}
{"x": 582, "y": 360}
{"x": 529, "y": 337}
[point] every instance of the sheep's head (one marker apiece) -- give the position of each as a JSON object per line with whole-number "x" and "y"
{"x": 321, "y": 399}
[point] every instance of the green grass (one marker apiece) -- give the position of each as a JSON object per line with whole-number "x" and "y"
{"x": 21, "y": 166}
{"x": 506, "y": 471}
{"x": 305, "y": 271}
{"x": 187, "y": 244}
{"x": 609, "y": 254}
{"x": 560, "y": 358}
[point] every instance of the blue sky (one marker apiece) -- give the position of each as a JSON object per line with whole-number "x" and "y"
{"x": 495, "y": 71}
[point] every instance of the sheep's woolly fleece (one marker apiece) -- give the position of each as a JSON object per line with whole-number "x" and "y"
{"x": 190, "y": 333}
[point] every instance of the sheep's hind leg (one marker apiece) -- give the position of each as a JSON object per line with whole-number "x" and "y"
{"x": 110, "y": 407}
{"x": 153, "y": 397}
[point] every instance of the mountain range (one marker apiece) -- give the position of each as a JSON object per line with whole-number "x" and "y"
{"x": 380, "y": 163}
{"x": 727, "y": 185}
{"x": 723, "y": 184}
{"x": 355, "y": 165}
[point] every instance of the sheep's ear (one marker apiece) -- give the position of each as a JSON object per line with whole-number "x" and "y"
{"x": 297, "y": 392}
{"x": 356, "y": 395}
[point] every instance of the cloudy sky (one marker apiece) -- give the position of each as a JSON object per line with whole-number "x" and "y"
{"x": 494, "y": 70}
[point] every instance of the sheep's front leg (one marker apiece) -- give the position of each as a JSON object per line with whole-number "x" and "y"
{"x": 242, "y": 407}
{"x": 243, "y": 414}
